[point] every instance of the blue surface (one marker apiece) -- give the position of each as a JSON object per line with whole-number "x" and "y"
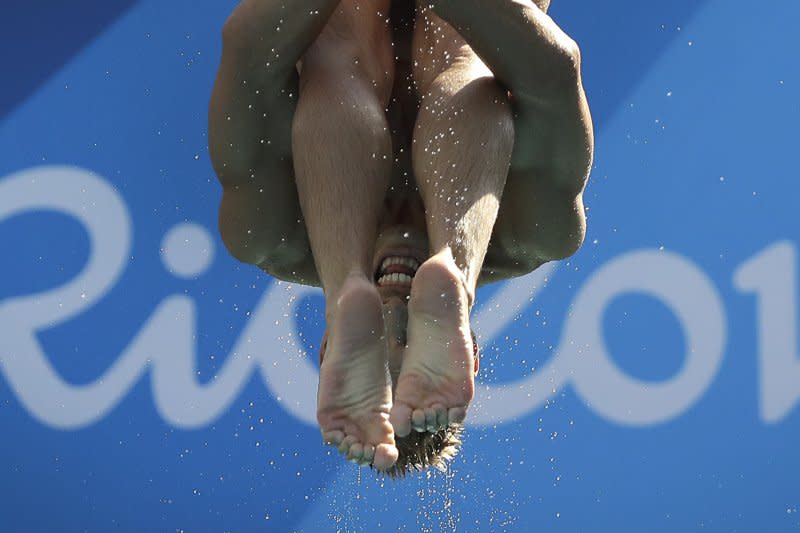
{"x": 650, "y": 385}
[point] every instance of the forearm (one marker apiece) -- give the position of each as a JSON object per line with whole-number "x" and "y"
{"x": 275, "y": 34}
{"x": 257, "y": 85}
{"x": 522, "y": 46}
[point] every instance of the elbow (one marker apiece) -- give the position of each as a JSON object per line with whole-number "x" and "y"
{"x": 240, "y": 244}
{"x": 569, "y": 240}
{"x": 570, "y": 236}
{"x": 561, "y": 234}
{"x": 570, "y": 244}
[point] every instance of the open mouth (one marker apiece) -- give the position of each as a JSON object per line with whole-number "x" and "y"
{"x": 397, "y": 271}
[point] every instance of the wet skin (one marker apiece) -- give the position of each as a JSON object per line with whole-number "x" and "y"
{"x": 420, "y": 329}
{"x": 426, "y": 344}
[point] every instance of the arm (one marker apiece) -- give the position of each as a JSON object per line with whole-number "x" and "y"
{"x": 540, "y": 65}
{"x": 250, "y": 123}
{"x": 522, "y": 45}
{"x": 541, "y": 216}
{"x": 256, "y": 90}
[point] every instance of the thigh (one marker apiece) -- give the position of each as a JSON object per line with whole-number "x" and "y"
{"x": 260, "y": 217}
{"x": 356, "y": 42}
{"x": 438, "y": 47}
{"x": 536, "y": 222}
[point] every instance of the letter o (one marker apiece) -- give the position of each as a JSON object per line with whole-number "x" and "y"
{"x": 691, "y": 296}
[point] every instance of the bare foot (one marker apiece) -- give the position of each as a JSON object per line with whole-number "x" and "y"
{"x": 355, "y": 393}
{"x": 437, "y": 380}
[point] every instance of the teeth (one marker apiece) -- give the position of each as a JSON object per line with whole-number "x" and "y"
{"x": 395, "y": 279}
{"x": 406, "y": 261}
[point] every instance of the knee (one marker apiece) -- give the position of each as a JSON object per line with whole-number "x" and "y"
{"x": 468, "y": 120}
{"x": 344, "y": 60}
{"x": 485, "y": 96}
{"x": 479, "y": 100}
{"x": 494, "y": 109}
{"x": 332, "y": 105}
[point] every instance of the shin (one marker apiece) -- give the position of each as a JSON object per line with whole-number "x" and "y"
{"x": 342, "y": 157}
{"x": 462, "y": 151}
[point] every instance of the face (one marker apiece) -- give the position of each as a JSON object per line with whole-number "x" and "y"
{"x": 402, "y": 246}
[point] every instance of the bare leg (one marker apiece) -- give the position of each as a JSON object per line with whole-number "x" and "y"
{"x": 342, "y": 159}
{"x": 462, "y": 152}
{"x": 250, "y": 122}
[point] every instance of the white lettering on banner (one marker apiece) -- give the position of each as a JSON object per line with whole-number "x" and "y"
{"x": 165, "y": 341}
{"x": 772, "y": 276}
{"x": 583, "y": 360}
{"x": 166, "y": 344}
{"x": 693, "y": 299}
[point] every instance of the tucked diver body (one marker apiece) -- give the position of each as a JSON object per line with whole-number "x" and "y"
{"x": 399, "y": 155}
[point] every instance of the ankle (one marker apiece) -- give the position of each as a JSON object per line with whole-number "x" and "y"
{"x": 445, "y": 255}
{"x": 334, "y": 292}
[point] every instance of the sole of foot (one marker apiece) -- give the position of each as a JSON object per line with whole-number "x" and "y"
{"x": 355, "y": 395}
{"x": 437, "y": 379}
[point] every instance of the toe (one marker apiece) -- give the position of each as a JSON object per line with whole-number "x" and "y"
{"x": 333, "y": 438}
{"x": 457, "y": 415}
{"x": 356, "y": 453}
{"x": 369, "y": 454}
{"x": 344, "y": 446}
{"x": 385, "y": 456}
{"x": 431, "y": 419}
{"x": 441, "y": 416}
{"x": 400, "y": 418}
{"x": 418, "y": 420}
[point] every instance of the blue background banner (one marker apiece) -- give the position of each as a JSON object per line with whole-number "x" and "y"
{"x": 149, "y": 382}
